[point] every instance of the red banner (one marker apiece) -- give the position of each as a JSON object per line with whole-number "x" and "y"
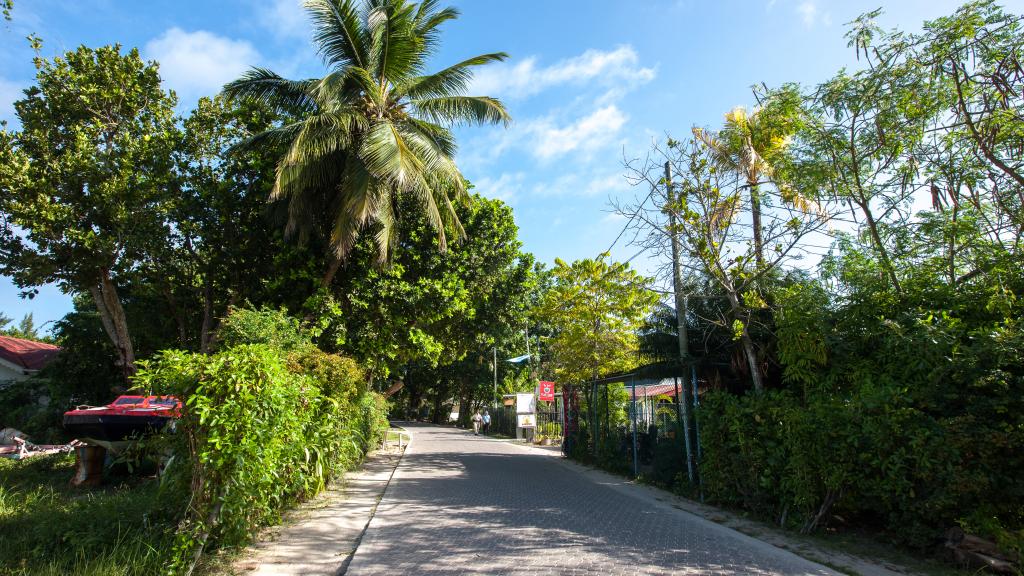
{"x": 547, "y": 391}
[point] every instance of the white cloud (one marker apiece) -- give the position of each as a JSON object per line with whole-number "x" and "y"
{"x": 606, "y": 184}
{"x": 505, "y": 188}
{"x": 810, "y": 15}
{"x": 582, "y": 183}
{"x": 619, "y": 67}
{"x": 286, "y": 19}
{"x": 587, "y": 133}
{"x": 199, "y": 63}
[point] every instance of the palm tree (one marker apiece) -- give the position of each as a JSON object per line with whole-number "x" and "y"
{"x": 374, "y": 129}
{"x": 749, "y": 144}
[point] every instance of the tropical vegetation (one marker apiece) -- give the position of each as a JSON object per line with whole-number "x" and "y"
{"x": 845, "y": 316}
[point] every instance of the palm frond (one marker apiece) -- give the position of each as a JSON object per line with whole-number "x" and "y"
{"x": 338, "y": 32}
{"x": 428, "y": 22}
{"x": 720, "y": 152}
{"x": 395, "y": 51}
{"x": 260, "y": 84}
{"x": 462, "y": 110}
{"x": 387, "y": 155}
{"x": 385, "y": 236}
{"x": 451, "y": 81}
{"x": 441, "y": 137}
{"x": 278, "y": 136}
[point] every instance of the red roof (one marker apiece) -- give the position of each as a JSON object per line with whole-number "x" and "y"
{"x": 27, "y": 354}
{"x": 651, "y": 390}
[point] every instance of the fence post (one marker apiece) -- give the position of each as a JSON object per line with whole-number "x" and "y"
{"x": 636, "y": 458}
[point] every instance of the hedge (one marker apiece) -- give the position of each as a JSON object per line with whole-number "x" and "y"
{"x": 261, "y": 429}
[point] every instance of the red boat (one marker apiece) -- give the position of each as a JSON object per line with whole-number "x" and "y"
{"x": 125, "y": 418}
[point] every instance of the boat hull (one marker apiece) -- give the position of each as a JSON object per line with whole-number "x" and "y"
{"x": 113, "y": 427}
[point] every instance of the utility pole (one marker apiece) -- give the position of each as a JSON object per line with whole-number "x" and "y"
{"x": 495, "y": 377}
{"x": 681, "y": 304}
{"x": 529, "y": 355}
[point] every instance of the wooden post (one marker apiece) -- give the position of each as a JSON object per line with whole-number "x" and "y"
{"x": 89, "y": 465}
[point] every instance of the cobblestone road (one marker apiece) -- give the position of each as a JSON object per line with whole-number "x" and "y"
{"x": 462, "y": 504}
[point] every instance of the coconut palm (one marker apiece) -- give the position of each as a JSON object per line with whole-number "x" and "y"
{"x": 749, "y": 144}
{"x": 375, "y": 128}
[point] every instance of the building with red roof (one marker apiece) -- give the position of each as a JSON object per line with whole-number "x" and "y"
{"x": 21, "y": 359}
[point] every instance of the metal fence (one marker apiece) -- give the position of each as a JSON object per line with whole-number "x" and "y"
{"x": 550, "y": 421}
{"x": 651, "y": 441}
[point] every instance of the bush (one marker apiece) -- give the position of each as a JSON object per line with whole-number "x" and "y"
{"x": 874, "y": 457}
{"x": 275, "y": 328}
{"x": 261, "y": 429}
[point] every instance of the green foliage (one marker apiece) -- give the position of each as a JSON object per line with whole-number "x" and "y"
{"x": 25, "y": 329}
{"x": 53, "y": 528}
{"x": 265, "y": 424}
{"x": 85, "y": 184}
{"x": 273, "y": 328}
{"x": 381, "y": 135}
{"x": 551, "y": 430}
{"x": 595, "y": 308}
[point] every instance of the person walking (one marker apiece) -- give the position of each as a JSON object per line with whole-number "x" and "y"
{"x": 486, "y": 421}
{"x": 477, "y": 419}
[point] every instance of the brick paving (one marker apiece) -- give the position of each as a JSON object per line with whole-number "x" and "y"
{"x": 462, "y": 504}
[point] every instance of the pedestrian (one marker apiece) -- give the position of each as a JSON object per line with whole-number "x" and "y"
{"x": 487, "y": 421}
{"x": 477, "y": 419}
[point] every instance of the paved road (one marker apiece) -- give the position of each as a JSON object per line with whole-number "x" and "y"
{"x": 462, "y": 504}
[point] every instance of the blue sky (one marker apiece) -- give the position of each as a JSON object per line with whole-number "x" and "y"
{"x": 589, "y": 82}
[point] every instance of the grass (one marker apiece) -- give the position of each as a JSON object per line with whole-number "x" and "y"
{"x": 48, "y": 527}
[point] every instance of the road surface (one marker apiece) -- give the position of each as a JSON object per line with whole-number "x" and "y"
{"x": 465, "y": 504}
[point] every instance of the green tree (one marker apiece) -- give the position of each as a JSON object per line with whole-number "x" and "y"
{"x": 432, "y": 308}
{"x": 26, "y": 328}
{"x": 225, "y": 248}
{"x": 595, "y": 308}
{"x": 375, "y": 129}
{"x": 85, "y": 182}
{"x": 753, "y": 144}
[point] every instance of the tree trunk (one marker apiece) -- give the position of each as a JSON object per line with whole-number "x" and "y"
{"x": 436, "y": 416}
{"x": 114, "y": 322}
{"x": 179, "y": 314}
{"x": 332, "y": 270}
{"x": 883, "y": 254}
{"x": 415, "y": 397}
{"x": 465, "y": 405}
{"x": 755, "y": 217}
{"x": 748, "y": 346}
{"x": 206, "y": 332}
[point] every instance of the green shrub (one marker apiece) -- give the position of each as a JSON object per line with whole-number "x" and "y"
{"x": 274, "y": 328}
{"x": 261, "y": 429}
{"x": 874, "y": 457}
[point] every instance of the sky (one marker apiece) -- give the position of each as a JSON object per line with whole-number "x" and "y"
{"x": 589, "y": 83}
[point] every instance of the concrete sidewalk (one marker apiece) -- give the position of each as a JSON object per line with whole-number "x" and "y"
{"x": 319, "y": 537}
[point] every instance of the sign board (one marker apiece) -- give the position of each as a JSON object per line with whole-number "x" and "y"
{"x": 526, "y": 420}
{"x": 526, "y": 404}
{"x": 547, "y": 391}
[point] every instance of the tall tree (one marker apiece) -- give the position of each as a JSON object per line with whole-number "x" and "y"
{"x": 375, "y": 128}
{"x": 704, "y": 216}
{"x": 85, "y": 182}
{"x": 596, "y": 308}
{"x": 752, "y": 144}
